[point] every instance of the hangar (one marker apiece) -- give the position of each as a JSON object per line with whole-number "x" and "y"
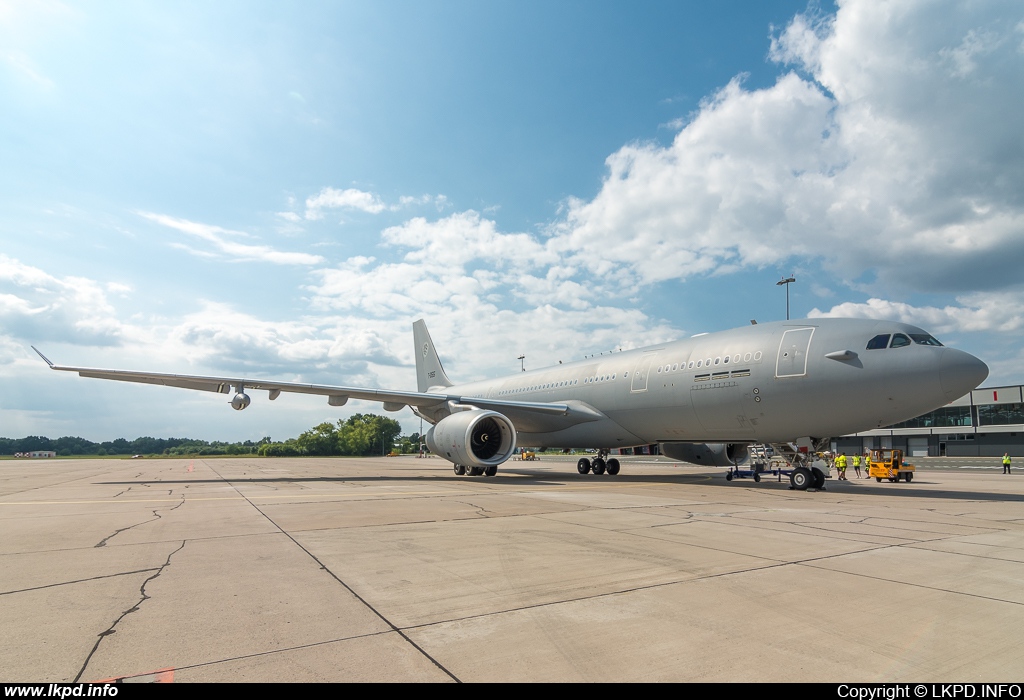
{"x": 987, "y": 422}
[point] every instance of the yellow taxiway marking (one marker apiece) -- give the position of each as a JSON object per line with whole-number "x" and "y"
{"x": 345, "y": 496}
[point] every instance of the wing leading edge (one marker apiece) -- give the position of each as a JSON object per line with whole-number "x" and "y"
{"x": 528, "y": 416}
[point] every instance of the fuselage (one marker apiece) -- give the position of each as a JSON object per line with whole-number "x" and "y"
{"x": 771, "y": 382}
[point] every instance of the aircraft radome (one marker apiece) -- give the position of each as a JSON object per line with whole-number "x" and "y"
{"x": 703, "y": 399}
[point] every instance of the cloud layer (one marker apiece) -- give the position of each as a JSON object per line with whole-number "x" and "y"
{"x": 893, "y": 140}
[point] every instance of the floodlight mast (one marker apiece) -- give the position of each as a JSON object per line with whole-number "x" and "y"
{"x": 786, "y": 281}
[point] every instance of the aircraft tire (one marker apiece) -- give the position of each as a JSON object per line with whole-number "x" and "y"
{"x": 597, "y": 466}
{"x": 819, "y": 478}
{"x": 460, "y": 470}
{"x": 613, "y": 466}
{"x": 801, "y": 479}
{"x": 476, "y": 471}
{"x": 583, "y": 466}
{"x": 491, "y": 471}
{"x": 757, "y": 478}
{"x": 728, "y": 475}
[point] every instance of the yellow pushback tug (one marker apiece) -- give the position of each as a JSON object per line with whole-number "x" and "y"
{"x": 889, "y": 464}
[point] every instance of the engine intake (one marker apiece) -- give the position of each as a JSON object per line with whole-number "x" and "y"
{"x": 473, "y": 438}
{"x": 718, "y": 454}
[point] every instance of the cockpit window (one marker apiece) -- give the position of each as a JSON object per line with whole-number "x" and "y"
{"x": 925, "y": 339}
{"x": 878, "y": 342}
{"x": 899, "y": 341}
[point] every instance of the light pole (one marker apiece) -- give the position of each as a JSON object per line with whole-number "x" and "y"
{"x": 786, "y": 281}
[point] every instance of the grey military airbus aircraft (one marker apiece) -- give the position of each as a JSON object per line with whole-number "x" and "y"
{"x": 703, "y": 399}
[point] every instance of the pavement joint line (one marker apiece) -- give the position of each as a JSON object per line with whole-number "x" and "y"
{"x": 606, "y": 594}
{"x": 912, "y": 584}
{"x": 339, "y": 496}
{"x": 270, "y": 652}
{"x": 807, "y": 562}
{"x": 141, "y": 544}
{"x": 337, "y": 578}
{"x": 960, "y": 554}
{"x": 640, "y": 533}
{"x": 81, "y": 580}
{"x": 142, "y": 591}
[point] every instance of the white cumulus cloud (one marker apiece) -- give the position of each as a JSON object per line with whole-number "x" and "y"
{"x": 895, "y": 137}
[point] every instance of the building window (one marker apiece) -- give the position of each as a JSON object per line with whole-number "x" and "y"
{"x": 948, "y": 417}
{"x": 1001, "y": 414}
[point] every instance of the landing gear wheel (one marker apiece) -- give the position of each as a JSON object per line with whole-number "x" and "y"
{"x": 491, "y": 471}
{"x": 459, "y": 470}
{"x": 728, "y": 475}
{"x": 909, "y": 477}
{"x": 819, "y": 478}
{"x": 801, "y": 479}
{"x": 583, "y": 466}
{"x": 757, "y": 477}
{"x": 613, "y": 467}
{"x": 598, "y": 466}
{"x": 476, "y": 471}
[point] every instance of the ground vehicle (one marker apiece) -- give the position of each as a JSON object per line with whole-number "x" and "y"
{"x": 889, "y": 464}
{"x": 528, "y": 456}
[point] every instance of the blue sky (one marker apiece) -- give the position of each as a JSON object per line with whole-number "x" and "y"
{"x": 251, "y": 188}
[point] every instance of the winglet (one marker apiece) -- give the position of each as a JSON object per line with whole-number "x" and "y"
{"x": 429, "y": 372}
{"x": 45, "y": 358}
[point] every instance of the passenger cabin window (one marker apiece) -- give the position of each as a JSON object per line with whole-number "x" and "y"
{"x": 879, "y": 342}
{"x": 899, "y": 341}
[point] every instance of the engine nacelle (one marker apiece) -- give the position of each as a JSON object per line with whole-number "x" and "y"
{"x": 473, "y": 438}
{"x": 718, "y": 454}
{"x": 240, "y": 401}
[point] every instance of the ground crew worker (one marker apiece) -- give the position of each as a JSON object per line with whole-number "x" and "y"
{"x": 1006, "y": 463}
{"x": 841, "y": 466}
{"x": 856, "y": 465}
{"x": 867, "y": 466}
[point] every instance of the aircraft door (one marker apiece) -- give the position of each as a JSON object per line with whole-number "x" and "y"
{"x": 640, "y": 373}
{"x": 792, "y": 361}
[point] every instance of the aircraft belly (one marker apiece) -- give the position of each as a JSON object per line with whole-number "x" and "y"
{"x": 601, "y": 434}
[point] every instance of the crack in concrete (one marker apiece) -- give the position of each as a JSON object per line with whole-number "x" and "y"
{"x": 144, "y": 597}
{"x": 81, "y": 580}
{"x": 156, "y": 516}
{"x": 480, "y": 510}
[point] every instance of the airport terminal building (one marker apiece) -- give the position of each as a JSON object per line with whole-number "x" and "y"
{"x": 987, "y": 422}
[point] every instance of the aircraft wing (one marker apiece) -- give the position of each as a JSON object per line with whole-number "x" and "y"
{"x": 527, "y": 416}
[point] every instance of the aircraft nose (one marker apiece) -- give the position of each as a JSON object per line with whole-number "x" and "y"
{"x": 960, "y": 372}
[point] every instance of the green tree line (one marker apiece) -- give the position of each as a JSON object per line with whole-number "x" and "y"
{"x": 360, "y": 435}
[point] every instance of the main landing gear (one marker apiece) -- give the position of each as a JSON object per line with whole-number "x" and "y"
{"x": 598, "y": 465}
{"x": 461, "y": 470}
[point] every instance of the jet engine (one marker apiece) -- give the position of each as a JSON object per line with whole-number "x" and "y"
{"x": 718, "y": 454}
{"x": 473, "y": 438}
{"x": 240, "y": 401}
